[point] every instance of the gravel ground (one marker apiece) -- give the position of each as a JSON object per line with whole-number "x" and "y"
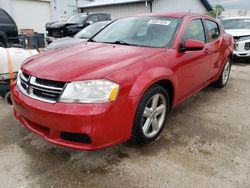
{"x": 206, "y": 143}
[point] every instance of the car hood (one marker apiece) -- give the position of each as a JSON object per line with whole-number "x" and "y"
{"x": 64, "y": 42}
{"x": 238, "y": 32}
{"x": 86, "y": 61}
{"x": 56, "y": 25}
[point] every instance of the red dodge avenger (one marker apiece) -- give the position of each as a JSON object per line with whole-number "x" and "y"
{"x": 121, "y": 84}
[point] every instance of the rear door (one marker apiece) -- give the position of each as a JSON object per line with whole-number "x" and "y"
{"x": 193, "y": 69}
{"x": 216, "y": 46}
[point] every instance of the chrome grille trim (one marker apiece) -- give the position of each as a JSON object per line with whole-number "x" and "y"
{"x": 34, "y": 83}
{"x": 45, "y": 93}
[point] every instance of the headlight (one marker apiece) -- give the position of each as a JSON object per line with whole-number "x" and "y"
{"x": 93, "y": 91}
{"x": 18, "y": 79}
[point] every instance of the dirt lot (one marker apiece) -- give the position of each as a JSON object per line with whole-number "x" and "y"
{"x": 206, "y": 143}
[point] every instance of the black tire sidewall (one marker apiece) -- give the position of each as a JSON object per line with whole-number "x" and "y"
{"x": 138, "y": 134}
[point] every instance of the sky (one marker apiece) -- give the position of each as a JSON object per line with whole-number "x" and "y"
{"x": 233, "y": 4}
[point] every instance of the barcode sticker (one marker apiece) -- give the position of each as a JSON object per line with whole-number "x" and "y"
{"x": 159, "y": 22}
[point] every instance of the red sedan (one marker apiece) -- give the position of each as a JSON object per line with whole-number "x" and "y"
{"x": 121, "y": 84}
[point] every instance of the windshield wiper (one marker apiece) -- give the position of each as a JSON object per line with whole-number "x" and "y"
{"x": 91, "y": 40}
{"x": 120, "y": 42}
{"x": 123, "y": 43}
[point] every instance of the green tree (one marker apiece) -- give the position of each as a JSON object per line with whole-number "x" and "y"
{"x": 217, "y": 11}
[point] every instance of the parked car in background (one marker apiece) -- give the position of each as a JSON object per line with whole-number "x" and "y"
{"x": 81, "y": 36}
{"x": 73, "y": 25}
{"x": 239, "y": 28}
{"x": 8, "y": 30}
{"x": 123, "y": 83}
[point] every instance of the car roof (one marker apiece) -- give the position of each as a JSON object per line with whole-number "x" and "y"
{"x": 178, "y": 15}
{"x": 236, "y": 18}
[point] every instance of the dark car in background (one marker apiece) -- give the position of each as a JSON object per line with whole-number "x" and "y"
{"x": 73, "y": 25}
{"x": 8, "y": 30}
{"x": 81, "y": 36}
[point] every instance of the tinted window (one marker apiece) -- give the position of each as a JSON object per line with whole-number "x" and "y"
{"x": 91, "y": 30}
{"x": 102, "y": 17}
{"x": 93, "y": 18}
{"x": 4, "y": 18}
{"x": 78, "y": 18}
{"x": 213, "y": 30}
{"x": 195, "y": 31}
{"x": 140, "y": 31}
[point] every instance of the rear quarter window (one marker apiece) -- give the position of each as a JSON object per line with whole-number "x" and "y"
{"x": 4, "y": 18}
{"x": 213, "y": 30}
{"x": 102, "y": 17}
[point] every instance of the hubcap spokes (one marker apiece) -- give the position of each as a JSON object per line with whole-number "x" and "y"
{"x": 154, "y": 115}
{"x": 226, "y": 73}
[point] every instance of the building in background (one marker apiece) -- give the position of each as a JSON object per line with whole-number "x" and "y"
{"x": 121, "y": 8}
{"x": 33, "y": 14}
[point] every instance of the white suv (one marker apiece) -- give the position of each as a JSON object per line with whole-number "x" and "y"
{"x": 239, "y": 28}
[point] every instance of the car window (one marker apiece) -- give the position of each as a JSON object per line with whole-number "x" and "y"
{"x": 195, "y": 31}
{"x": 213, "y": 30}
{"x": 93, "y": 18}
{"x": 4, "y": 18}
{"x": 152, "y": 31}
{"x": 91, "y": 30}
{"x": 243, "y": 23}
{"x": 102, "y": 17}
{"x": 78, "y": 18}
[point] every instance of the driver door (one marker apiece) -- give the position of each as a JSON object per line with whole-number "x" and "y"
{"x": 193, "y": 69}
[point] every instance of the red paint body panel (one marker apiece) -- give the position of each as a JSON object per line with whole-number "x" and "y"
{"x": 135, "y": 69}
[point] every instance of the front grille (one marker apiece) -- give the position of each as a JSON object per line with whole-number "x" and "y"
{"x": 56, "y": 33}
{"x": 247, "y": 46}
{"x": 41, "y": 89}
{"x": 76, "y": 137}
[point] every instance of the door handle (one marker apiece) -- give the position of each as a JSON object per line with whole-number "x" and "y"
{"x": 207, "y": 50}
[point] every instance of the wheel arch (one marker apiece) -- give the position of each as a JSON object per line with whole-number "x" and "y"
{"x": 3, "y": 38}
{"x": 158, "y": 76}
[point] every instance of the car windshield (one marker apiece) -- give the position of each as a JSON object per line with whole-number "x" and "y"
{"x": 78, "y": 18}
{"x": 91, "y": 30}
{"x": 140, "y": 31}
{"x": 236, "y": 23}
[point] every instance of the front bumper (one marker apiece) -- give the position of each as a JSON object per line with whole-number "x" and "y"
{"x": 104, "y": 124}
{"x": 241, "y": 49}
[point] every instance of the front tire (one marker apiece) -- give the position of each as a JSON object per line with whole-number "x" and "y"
{"x": 151, "y": 115}
{"x": 224, "y": 77}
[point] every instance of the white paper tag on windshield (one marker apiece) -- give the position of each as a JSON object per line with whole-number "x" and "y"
{"x": 159, "y": 22}
{"x": 246, "y": 20}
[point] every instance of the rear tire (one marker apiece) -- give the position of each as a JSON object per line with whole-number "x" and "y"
{"x": 151, "y": 115}
{"x": 224, "y": 76}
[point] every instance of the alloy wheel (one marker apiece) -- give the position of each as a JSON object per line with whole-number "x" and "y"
{"x": 226, "y": 72}
{"x": 154, "y": 115}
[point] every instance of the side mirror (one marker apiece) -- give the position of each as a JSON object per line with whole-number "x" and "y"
{"x": 192, "y": 45}
{"x": 89, "y": 23}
